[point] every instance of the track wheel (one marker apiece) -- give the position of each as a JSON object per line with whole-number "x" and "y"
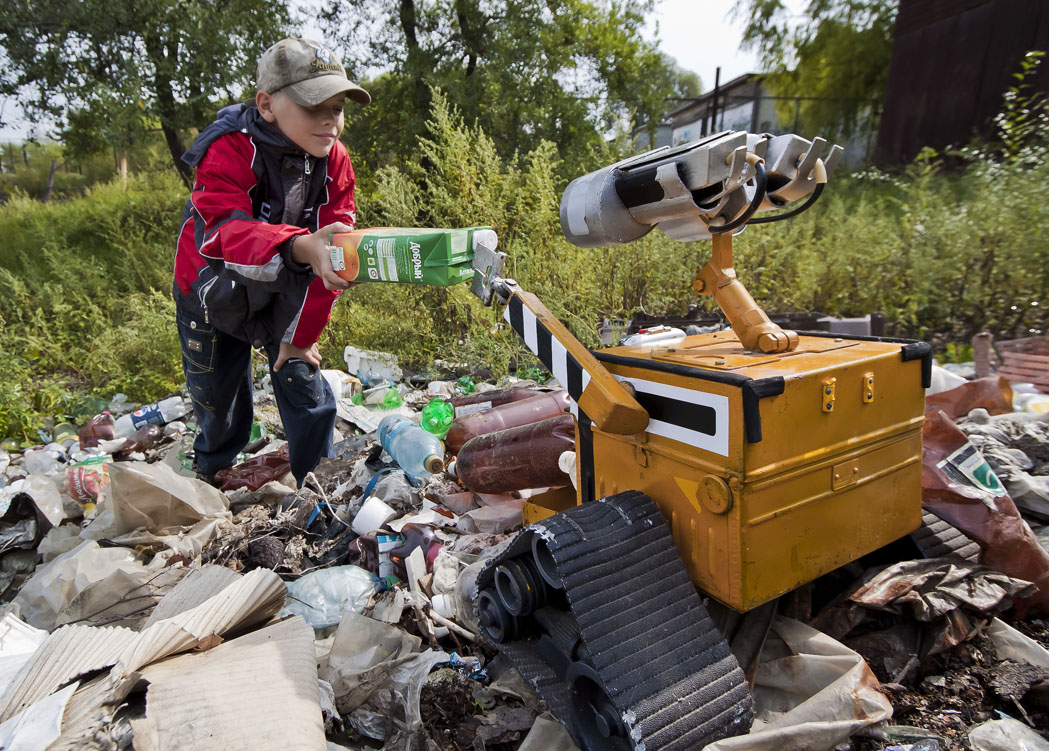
{"x": 597, "y": 723}
{"x": 498, "y": 624}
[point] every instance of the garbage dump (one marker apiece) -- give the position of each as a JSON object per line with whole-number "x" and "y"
{"x": 146, "y": 608}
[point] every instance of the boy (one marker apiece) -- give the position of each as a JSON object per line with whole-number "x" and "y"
{"x": 272, "y": 182}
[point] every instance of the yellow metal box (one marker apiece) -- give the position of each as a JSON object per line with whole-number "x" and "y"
{"x": 770, "y": 469}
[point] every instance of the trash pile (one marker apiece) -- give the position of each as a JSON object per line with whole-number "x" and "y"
{"x": 146, "y": 608}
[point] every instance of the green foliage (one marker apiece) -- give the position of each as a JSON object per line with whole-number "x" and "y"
{"x": 84, "y": 305}
{"x": 563, "y": 71}
{"x": 837, "y": 55}
{"x": 115, "y": 70}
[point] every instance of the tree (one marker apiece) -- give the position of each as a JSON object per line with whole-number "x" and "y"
{"x": 111, "y": 70}
{"x": 566, "y": 71}
{"x": 836, "y": 56}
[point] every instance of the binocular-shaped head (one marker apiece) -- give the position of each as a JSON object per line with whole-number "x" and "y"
{"x": 695, "y": 190}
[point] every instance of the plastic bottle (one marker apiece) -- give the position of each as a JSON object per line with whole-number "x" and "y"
{"x": 415, "y": 536}
{"x": 437, "y": 417}
{"x": 158, "y": 413}
{"x": 142, "y": 439}
{"x": 469, "y": 403}
{"x": 534, "y": 409}
{"x": 98, "y": 428}
{"x": 466, "y": 385}
{"x": 417, "y": 452}
{"x": 518, "y": 458}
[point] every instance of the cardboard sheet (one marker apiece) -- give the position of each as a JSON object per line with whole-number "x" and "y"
{"x": 251, "y": 599}
{"x": 255, "y": 692}
{"x": 69, "y": 652}
{"x": 199, "y": 585}
{"x": 37, "y": 726}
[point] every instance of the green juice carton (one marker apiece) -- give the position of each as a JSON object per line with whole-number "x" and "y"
{"x": 409, "y": 255}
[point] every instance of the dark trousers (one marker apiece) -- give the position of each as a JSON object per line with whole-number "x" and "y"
{"x": 218, "y": 376}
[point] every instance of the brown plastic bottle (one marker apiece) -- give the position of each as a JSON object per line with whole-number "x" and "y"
{"x": 518, "y": 458}
{"x": 142, "y": 439}
{"x": 466, "y": 404}
{"x": 99, "y": 428}
{"x": 508, "y": 415}
{"x": 415, "y": 536}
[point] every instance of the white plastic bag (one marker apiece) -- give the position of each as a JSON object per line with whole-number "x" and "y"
{"x": 321, "y": 597}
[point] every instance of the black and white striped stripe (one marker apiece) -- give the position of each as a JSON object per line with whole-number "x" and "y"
{"x": 552, "y": 353}
{"x": 696, "y": 418}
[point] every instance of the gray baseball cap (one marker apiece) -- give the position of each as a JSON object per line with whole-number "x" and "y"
{"x": 307, "y": 71}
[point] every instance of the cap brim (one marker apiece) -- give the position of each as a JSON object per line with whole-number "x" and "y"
{"x": 314, "y": 91}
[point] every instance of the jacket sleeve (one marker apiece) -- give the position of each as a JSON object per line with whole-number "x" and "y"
{"x": 339, "y": 206}
{"x": 249, "y": 250}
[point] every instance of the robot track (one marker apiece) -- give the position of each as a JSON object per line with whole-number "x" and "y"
{"x": 594, "y": 608}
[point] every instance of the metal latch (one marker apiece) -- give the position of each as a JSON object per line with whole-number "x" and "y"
{"x": 868, "y": 388}
{"x": 827, "y": 394}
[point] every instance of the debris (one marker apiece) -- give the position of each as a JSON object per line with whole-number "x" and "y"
{"x": 55, "y": 585}
{"x": 993, "y": 394}
{"x": 257, "y": 471}
{"x": 960, "y": 488}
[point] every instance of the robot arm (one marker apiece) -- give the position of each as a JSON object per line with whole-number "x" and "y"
{"x": 708, "y": 189}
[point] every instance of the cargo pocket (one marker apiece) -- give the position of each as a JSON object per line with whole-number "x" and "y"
{"x": 302, "y": 384}
{"x": 198, "y": 341}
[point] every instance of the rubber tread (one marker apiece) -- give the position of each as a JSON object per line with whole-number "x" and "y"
{"x": 939, "y": 539}
{"x": 663, "y": 662}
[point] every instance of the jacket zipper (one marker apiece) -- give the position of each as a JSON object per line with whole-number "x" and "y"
{"x": 203, "y": 294}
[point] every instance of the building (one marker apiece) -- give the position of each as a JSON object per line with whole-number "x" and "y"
{"x": 740, "y": 104}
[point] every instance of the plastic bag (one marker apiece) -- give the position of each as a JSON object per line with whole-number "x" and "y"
{"x": 321, "y": 597}
{"x": 256, "y": 472}
{"x": 993, "y": 394}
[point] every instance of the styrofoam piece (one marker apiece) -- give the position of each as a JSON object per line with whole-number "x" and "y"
{"x": 369, "y": 365}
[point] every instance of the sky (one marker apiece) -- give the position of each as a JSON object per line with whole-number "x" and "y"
{"x": 699, "y": 34}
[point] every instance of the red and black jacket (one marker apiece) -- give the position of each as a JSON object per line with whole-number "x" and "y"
{"x": 253, "y": 193}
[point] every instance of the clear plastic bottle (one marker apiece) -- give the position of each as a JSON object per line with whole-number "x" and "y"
{"x": 518, "y": 458}
{"x": 510, "y": 415}
{"x": 417, "y": 452}
{"x": 159, "y": 413}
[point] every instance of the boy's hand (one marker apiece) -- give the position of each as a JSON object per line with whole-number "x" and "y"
{"x": 311, "y": 355}
{"x": 312, "y": 251}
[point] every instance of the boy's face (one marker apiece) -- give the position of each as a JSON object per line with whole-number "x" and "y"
{"x": 313, "y": 129}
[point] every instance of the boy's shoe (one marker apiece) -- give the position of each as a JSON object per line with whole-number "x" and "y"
{"x": 209, "y": 479}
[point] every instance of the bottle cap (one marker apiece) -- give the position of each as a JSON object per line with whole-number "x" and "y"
{"x": 434, "y": 463}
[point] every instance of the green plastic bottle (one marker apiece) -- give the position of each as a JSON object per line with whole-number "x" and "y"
{"x": 466, "y": 385}
{"x": 437, "y": 417}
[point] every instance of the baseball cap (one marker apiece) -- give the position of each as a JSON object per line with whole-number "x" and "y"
{"x": 307, "y": 71}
